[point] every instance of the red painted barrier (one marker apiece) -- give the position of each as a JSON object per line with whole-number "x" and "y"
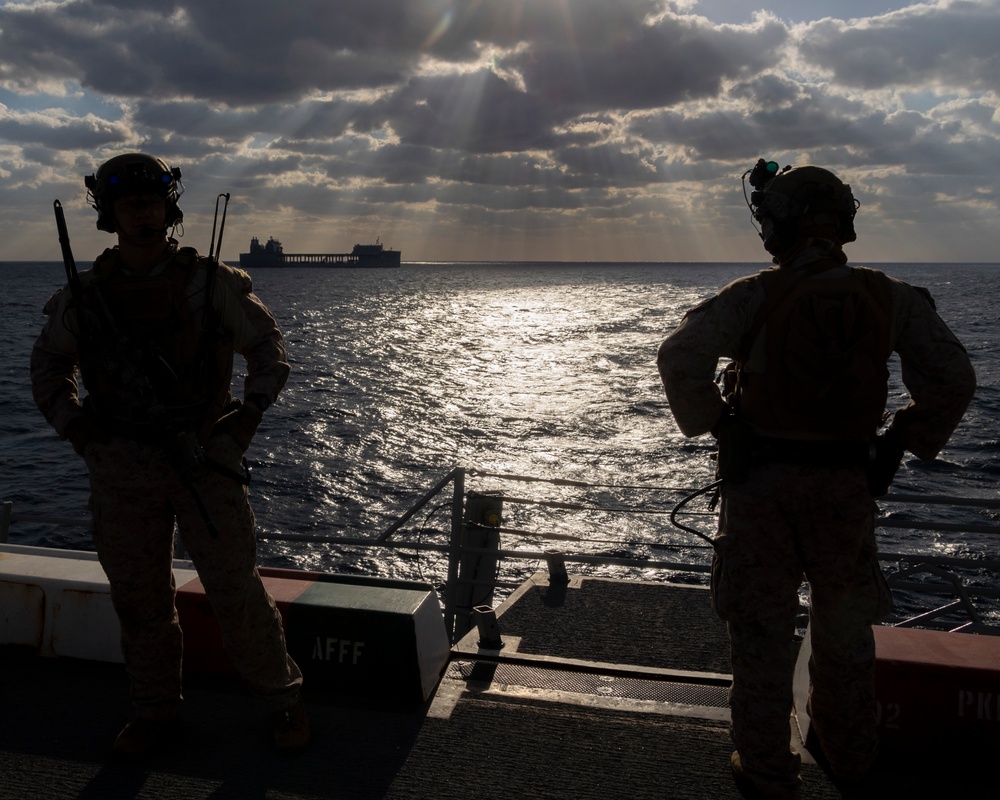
{"x": 936, "y": 686}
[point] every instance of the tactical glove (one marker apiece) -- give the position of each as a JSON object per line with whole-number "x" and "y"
{"x": 83, "y": 430}
{"x": 240, "y": 424}
{"x": 882, "y": 468}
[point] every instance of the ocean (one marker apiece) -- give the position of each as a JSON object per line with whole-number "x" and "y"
{"x": 546, "y": 372}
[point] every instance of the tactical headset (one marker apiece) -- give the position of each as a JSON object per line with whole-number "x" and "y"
{"x": 133, "y": 174}
{"x": 796, "y": 202}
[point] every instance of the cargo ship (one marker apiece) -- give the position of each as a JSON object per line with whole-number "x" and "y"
{"x": 273, "y": 254}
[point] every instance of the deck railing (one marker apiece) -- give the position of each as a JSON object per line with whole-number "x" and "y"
{"x": 472, "y": 552}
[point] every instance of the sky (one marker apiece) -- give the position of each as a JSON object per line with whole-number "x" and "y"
{"x": 458, "y": 130}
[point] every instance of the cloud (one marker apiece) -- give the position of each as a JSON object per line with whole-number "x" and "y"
{"x": 477, "y": 112}
{"x": 675, "y": 60}
{"x": 55, "y": 128}
{"x": 472, "y": 113}
{"x": 946, "y": 46}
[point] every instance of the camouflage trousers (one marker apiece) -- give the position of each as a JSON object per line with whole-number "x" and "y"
{"x": 136, "y": 497}
{"x": 783, "y": 523}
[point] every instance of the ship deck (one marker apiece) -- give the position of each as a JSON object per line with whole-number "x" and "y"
{"x": 602, "y": 689}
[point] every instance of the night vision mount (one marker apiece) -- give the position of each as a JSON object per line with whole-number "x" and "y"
{"x": 761, "y": 174}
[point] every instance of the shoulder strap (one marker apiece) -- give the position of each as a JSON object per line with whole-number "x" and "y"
{"x": 778, "y": 282}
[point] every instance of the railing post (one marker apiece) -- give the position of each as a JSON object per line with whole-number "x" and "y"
{"x": 477, "y": 571}
{"x": 454, "y": 553}
{"x": 489, "y": 628}
{"x": 558, "y": 576}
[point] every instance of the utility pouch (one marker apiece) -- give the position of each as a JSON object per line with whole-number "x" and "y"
{"x": 718, "y": 595}
{"x": 884, "y": 593}
{"x": 735, "y": 450}
{"x": 883, "y": 467}
{"x": 190, "y": 455}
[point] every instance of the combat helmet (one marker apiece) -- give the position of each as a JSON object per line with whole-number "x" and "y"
{"x": 131, "y": 174}
{"x": 798, "y": 202}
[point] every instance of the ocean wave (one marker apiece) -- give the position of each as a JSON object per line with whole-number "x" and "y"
{"x": 517, "y": 369}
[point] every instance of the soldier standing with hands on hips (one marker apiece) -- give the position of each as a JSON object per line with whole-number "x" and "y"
{"x": 800, "y": 457}
{"x": 152, "y": 330}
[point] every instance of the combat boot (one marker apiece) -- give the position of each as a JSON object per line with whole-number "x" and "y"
{"x": 142, "y": 736}
{"x": 291, "y": 729}
{"x": 753, "y": 790}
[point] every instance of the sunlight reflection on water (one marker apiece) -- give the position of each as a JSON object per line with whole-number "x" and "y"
{"x": 400, "y": 375}
{"x": 537, "y": 372}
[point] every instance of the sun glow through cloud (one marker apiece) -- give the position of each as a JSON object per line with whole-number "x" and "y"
{"x": 569, "y": 129}
{"x": 443, "y": 24}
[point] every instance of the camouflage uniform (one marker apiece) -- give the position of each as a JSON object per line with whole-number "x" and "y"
{"x": 788, "y": 520}
{"x": 137, "y": 494}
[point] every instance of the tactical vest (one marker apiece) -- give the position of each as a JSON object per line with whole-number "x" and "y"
{"x": 826, "y": 344}
{"x": 145, "y": 356}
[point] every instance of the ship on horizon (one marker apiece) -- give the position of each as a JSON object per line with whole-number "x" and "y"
{"x": 273, "y": 254}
